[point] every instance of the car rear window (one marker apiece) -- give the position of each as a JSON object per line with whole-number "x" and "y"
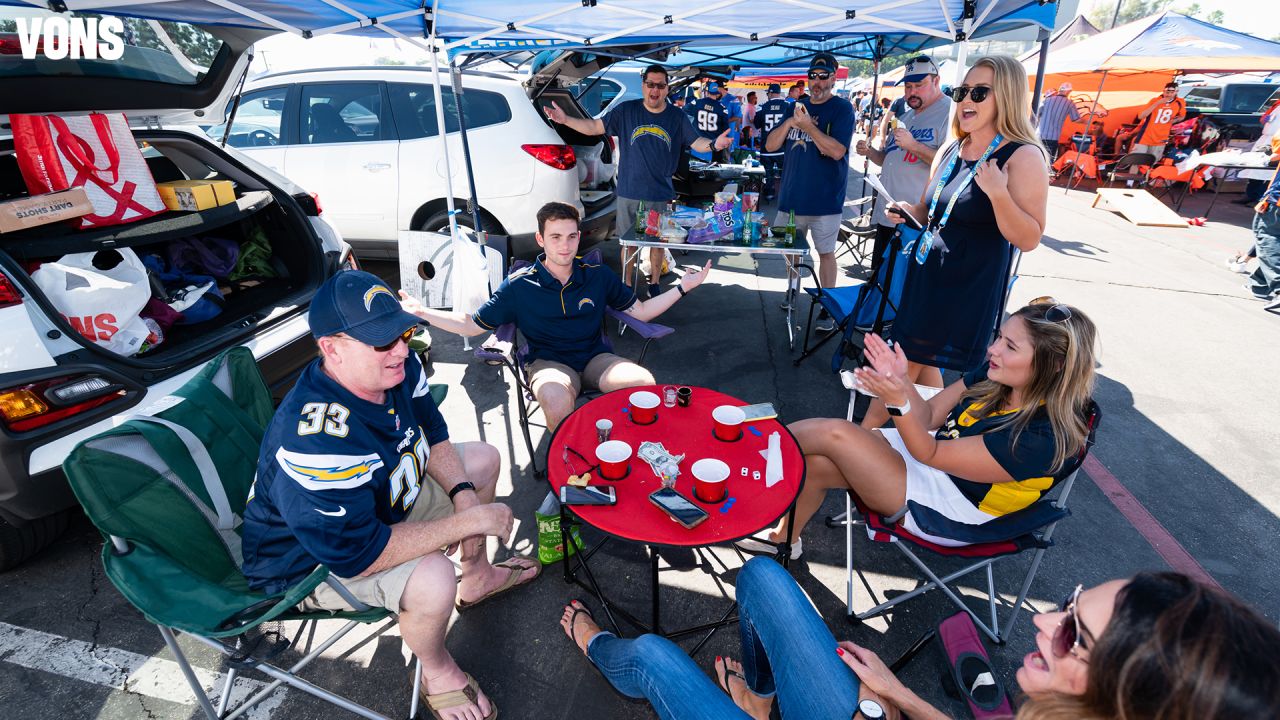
{"x": 36, "y": 43}
{"x": 414, "y": 105}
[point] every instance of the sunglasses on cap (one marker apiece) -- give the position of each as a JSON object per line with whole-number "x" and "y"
{"x": 977, "y": 92}
{"x": 403, "y": 337}
{"x": 1068, "y": 638}
{"x": 819, "y": 75}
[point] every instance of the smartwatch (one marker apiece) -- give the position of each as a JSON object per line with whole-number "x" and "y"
{"x": 898, "y": 410}
{"x": 871, "y": 710}
{"x": 680, "y": 290}
{"x": 464, "y": 485}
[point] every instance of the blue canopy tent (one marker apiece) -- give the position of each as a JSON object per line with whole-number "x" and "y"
{"x": 762, "y": 31}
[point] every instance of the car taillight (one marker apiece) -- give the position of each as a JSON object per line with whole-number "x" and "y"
{"x": 315, "y": 198}
{"x": 560, "y": 157}
{"x": 9, "y": 295}
{"x": 34, "y": 405}
{"x": 310, "y": 203}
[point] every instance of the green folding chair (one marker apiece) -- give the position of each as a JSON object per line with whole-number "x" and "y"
{"x": 167, "y": 490}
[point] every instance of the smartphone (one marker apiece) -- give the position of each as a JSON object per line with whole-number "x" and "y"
{"x": 911, "y": 221}
{"x": 759, "y": 411}
{"x": 679, "y": 507}
{"x": 588, "y": 495}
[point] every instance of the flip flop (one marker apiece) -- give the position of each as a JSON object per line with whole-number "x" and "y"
{"x": 466, "y": 695}
{"x": 512, "y": 580}
{"x": 573, "y": 620}
{"x": 725, "y": 672}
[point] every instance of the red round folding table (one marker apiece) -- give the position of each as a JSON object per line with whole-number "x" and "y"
{"x": 749, "y": 506}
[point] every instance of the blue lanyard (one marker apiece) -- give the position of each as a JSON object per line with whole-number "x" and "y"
{"x": 931, "y": 232}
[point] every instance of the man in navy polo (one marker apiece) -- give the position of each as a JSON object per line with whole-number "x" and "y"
{"x": 559, "y": 305}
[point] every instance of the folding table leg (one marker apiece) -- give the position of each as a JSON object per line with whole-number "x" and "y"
{"x": 653, "y": 582}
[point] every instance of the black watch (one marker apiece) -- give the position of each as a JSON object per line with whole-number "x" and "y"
{"x": 871, "y": 710}
{"x": 680, "y": 290}
{"x": 464, "y": 485}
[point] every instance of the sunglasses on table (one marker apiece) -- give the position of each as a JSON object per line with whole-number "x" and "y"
{"x": 403, "y": 337}
{"x": 819, "y": 76}
{"x": 655, "y": 86}
{"x": 1069, "y": 638}
{"x": 977, "y": 92}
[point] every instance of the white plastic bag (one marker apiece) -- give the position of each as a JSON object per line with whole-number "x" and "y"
{"x": 470, "y": 273}
{"x": 100, "y": 294}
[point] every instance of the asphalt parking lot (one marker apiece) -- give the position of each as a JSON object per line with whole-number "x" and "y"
{"x": 1184, "y": 478}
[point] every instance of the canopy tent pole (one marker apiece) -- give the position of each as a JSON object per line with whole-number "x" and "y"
{"x": 1088, "y": 121}
{"x": 1040, "y": 63}
{"x": 455, "y": 74}
{"x": 871, "y": 110}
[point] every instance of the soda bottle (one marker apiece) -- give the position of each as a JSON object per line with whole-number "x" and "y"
{"x": 791, "y": 229}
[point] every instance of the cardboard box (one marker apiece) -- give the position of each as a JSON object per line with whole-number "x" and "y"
{"x": 44, "y": 209}
{"x": 192, "y": 195}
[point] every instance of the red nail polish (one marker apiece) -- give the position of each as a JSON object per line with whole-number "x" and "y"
{"x": 840, "y": 651}
{"x": 717, "y": 658}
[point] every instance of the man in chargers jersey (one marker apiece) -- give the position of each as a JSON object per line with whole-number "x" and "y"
{"x": 769, "y": 116}
{"x": 357, "y": 473}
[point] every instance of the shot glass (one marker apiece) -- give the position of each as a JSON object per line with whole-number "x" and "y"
{"x": 669, "y": 396}
{"x": 683, "y": 396}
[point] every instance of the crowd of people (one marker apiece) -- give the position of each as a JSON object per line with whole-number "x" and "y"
{"x": 358, "y": 470}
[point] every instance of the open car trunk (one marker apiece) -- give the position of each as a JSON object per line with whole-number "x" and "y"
{"x": 596, "y": 156}
{"x": 279, "y": 288}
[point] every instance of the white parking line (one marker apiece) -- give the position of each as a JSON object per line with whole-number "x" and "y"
{"x": 120, "y": 669}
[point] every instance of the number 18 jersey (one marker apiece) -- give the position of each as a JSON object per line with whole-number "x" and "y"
{"x": 334, "y": 473}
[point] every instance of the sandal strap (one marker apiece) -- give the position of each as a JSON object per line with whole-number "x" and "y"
{"x": 466, "y": 695}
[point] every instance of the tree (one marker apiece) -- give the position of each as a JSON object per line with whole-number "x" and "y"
{"x": 1130, "y": 10}
{"x": 1194, "y": 10}
{"x": 1215, "y": 18}
{"x": 8, "y": 26}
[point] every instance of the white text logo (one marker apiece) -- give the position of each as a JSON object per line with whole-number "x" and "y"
{"x": 58, "y": 38}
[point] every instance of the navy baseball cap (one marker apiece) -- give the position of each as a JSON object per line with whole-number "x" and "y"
{"x": 360, "y": 305}
{"x": 825, "y": 62}
{"x": 918, "y": 69}
{"x": 713, "y": 87}
{"x": 775, "y": 89}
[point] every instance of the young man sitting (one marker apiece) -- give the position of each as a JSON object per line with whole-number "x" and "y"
{"x": 559, "y": 305}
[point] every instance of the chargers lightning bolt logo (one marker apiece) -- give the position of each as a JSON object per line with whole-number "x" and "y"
{"x": 374, "y": 292}
{"x": 654, "y": 130}
{"x": 584, "y": 302}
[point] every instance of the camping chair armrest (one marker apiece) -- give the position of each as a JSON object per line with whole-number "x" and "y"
{"x": 646, "y": 330}
{"x": 499, "y": 347}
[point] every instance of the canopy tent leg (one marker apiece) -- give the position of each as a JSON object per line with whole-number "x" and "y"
{"x": 455, "y": 75}
{"x": 871, "y": 110}
{"x": 1088, "y": 123}
{"x": 1040, "y": 63}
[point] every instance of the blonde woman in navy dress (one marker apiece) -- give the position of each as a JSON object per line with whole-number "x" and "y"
{"x": 981, "y": 204}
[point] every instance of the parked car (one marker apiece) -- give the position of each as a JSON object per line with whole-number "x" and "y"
{"x": 367, "y": 140}
{"x": 1237, "y": 107}
{"x": 58, "y": 388}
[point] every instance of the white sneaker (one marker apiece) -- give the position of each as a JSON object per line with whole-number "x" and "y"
{"x": 759, "y": 547}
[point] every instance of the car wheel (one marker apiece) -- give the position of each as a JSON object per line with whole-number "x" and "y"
{"x": 439, "y": 222}
{"x": 17, "y": 543}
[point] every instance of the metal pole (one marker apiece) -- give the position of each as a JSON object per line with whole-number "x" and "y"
{"x": 456, "y": 75}
{"x": 871, "y": 113}
{"x": 1116, "y": 16}
{"x": 1088, "y": 125}
{"x": 1040, "y": 64}
{"x": 444, "y": 139}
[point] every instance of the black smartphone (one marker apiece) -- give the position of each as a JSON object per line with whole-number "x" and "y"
{"x": 680, "y": 508}
{"x": 587, "y": 495}
{"x": 910, "y": 220}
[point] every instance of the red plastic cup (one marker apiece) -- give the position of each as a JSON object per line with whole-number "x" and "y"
{"x": 614, "y": 456}
{"x": 729, "y": 419}
{"x": 710, "y": 480}
{"x": 644, "y": 407}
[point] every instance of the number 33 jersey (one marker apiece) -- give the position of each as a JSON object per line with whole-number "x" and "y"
{"x": 333, "y": 474}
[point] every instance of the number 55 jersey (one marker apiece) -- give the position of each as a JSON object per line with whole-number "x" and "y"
{"x": 334, "y": 472}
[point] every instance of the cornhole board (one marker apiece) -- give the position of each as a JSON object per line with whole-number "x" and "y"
{"x": 1138, "y": 207}
{"x": 432, "y": 253}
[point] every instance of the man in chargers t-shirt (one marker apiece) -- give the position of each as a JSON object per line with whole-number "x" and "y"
{"x": 908, "y": 152}
{"x": 651, "y": 135}
{"x": 816, "y": 139}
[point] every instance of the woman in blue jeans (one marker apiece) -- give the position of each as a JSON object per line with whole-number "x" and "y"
{"x": 787, "y": 651}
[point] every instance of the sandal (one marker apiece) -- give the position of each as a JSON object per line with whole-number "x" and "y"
{"x": 514, "y": 579}
{"x": 573, "y": 620}
{"x": 725, "y": 672}
{"x": 467, "y": 695}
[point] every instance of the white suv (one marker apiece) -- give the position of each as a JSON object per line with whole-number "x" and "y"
{"x": 366, "y": 140}
{"x": 56, "y": 387}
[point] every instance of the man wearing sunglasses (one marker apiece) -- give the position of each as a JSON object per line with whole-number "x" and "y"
{"x": 357, "y": 473}
{"x": 651, "y": 134}
{"x": 908, "y": 151}
{"x": 815, "y": 173}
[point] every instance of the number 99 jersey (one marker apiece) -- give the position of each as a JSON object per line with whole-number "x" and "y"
{"x": 334, "y": 473}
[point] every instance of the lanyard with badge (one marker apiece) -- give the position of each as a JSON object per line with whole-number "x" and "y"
{"x": 935, "y": 232}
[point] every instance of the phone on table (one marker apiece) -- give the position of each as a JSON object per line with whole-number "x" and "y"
{"x": 759, "y": 411}
{"x": 680, "y": 508}
{"x": 588, "y": 495}
{"x": 911, "y": 222}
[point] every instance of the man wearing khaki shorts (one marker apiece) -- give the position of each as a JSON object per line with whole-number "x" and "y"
{"x": 559, "y": 305}
{"x": 357, "y": 473}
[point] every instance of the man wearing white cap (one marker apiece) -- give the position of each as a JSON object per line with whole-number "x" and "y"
{"x": 1054, "y": 112}
{"x": 908, "y": 151}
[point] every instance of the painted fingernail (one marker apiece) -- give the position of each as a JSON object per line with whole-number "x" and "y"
{"x": 840, "y": 651}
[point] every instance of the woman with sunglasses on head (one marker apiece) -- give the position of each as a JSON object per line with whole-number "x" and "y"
{"x": 1159, "y": 646}
{"x": 985, "y": 198}
{"x": 989, "y": 444}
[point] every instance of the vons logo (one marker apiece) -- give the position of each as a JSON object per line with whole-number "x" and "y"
{"x": 59, "y": 38}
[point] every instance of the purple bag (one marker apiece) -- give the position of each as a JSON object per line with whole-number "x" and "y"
{"x": 212, "y": 256}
